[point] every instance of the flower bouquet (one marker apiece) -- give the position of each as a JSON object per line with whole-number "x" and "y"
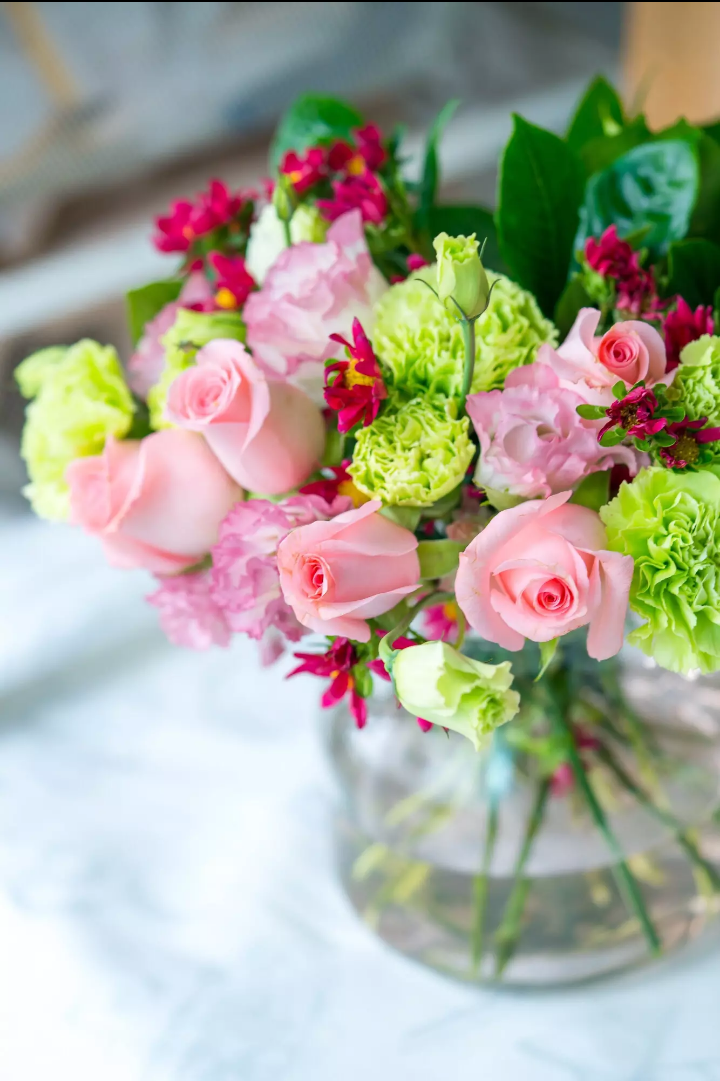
{"x": 479, "y": 454}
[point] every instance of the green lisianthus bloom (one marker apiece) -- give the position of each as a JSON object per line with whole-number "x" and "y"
{"x": 669, "y": 522}
{"x": 435, "y": 682}
{"x": 697, "y": 380}
{"x": 80, "y": 398}
{"x": 190, "y": 331}
{"x": 414, "y": 453}
{"x": 462, "y": 284}
{"x": 420, "y": 345}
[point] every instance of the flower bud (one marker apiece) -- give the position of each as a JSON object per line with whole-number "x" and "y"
{"x": 437, "y": 683}
{"x": 284, "y": 199}
{"x": 461, "y": 278}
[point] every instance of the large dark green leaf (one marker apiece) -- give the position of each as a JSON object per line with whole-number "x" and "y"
{"x": 705, "y": 221}
{"x": 540, "y": 189}
{"x": 655, "y": 184}
{"x": 600, "y": 152}
{"x": 431, "y": 166}
{"x": 144, "y": 303}
{"x": 465, "y": 220}
{"x": 599, "y": 114}
{"x": 573, "y": 298}
{"x": 312, "y": 119}
{"x": 694, "y": 271}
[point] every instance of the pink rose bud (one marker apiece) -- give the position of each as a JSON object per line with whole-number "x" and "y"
{"x": 268, "y": 435}
{"x": 541, "y": 570}
{"x": 336, "y": 575}
{"x": 155, "y": 503}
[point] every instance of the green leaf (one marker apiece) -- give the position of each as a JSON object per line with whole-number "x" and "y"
{"x": 540, "y": 190}
{"x": 547, "y": 652}
{"x": 593, "y": 491}
{"x": 655, "y": 184}
{"x": 573, "y": 298}
{"x": 407, "y": 517}
{"x": 363, "y": 680}
{"x": 694, "y": 271}
{"x": 664, "y": 439}
{"x": 143, "y": 304}
{"x": 600, "y": 113}
{"x": 465, "y": 220}
{"x": 619, "y": 390}
{"x": 431, "y": 167}
{"x": 312, "y": 119}
{"x": 613, "y": 437}
{"x": 601, "y": 152}
{"x": 705, "y": 221}
{"x": 591, "y": 412}
{"x": 438, "y": 557}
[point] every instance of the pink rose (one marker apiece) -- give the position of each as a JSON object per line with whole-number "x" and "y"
{"x": 268, "y": 435}
{"x": 311, "y": 292}
{"x": 541, "y": 570}
{"x": 147, "y": 362}
{"x": 336, "y": 575}
{"x": 155, "y": 503}
{"x": 631, "y": 351}
{"x": 532, "y": 441}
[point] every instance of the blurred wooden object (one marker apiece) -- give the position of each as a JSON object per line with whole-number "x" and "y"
{"x": 671, "y": 61}
{"x": 42, "y": 53}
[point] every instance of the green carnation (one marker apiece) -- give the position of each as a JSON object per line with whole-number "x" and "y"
{"x": 190, "y": 331}
{"x": 669, "y": 522}
{"x": 420, "y": 344}
{"x": 437, "y": 683}
{"x": 414, "y": 453}
{"x": 80, "y": 398}
{"x": 697, "y": 380}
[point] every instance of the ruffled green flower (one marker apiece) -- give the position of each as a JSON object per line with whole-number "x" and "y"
{"x": 420, "y": 344}
{"x": 669, "y": 522}
{"x": 414, "y": 453}
{"x": 697, "y": 381}
{"x": 435, "y": 682}
{"x": 190, "y": 331}
{"x": 80, "y": 398}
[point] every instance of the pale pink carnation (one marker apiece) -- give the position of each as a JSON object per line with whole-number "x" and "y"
{"x": 533, "y": 443}
{"x": 245, "y": 579}
{"x": 147, "y": 362}
{"x": 188, "y": 613}
{"x": 310, "y": 292}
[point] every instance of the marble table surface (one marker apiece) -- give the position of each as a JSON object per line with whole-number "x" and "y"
{"x": 168, "y": 906}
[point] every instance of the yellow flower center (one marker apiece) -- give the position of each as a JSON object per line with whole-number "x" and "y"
{"x": 347, "y": 487}
{"x": 295, "y": 176}
{"x": 224, "y": 298}
{"x": 356, "y": 165}
{"x": 450, "y": 611}
{"x": 188, "y": 232}
{"x": 354, "y": 378}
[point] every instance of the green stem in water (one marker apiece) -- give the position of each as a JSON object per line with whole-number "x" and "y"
{"x": 468, "y": 331}
{"x": 480, "y": 889}
{"x": 508, "y": 933}
{"x": 668, "y": 819}
{"x": 626, "y": 880}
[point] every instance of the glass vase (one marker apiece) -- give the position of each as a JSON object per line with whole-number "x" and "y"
{"x": 584, "y": 838}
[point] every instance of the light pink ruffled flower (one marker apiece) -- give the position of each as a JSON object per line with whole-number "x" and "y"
{"x": 532, "y": 441}
{"x": 189, "y": 615}
{"x": 337, "y": 575}
{"x": 268, "y": 435}
{"x": 146, "y": 364}
{"x": 541, "y": 570}
{"x": 155, "y": 503}
{"x": 311, "y": 292}
{"x": 631, "y": 351}
{"x": 245, "y": 581}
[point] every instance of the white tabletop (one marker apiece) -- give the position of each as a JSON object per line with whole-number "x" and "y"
{"x": 168, "y": 905}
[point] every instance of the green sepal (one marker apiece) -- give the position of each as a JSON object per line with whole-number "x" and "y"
{"x": 438, "y": 557}
{"x": 547, "y": 652}
{"x": 593, "y": 491}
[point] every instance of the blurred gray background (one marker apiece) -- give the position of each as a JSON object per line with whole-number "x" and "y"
{"x": 109, "y": 110}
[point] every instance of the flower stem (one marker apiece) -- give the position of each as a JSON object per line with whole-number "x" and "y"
{"x": 480, "y": 889}
{"x": 286, "y": 230}
{"x": 468, "y": 331}
{"x": 508, "y": 933}
{"x": 626, "y": 880}
{"x": 385, "y": 649}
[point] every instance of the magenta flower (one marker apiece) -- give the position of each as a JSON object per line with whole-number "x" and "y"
{"x": 305, "y": 171}
{"x": 682, "y": 326}
{"x": 613, "y": 258}
{"x": 216, "y": 207}
{"x": 234, "y": 281}
{"x": 354, "y": 387}
{"x": 336, "y": 665}
{"x": 244, "y": 579}
{"x": 366, "y": 153}
{"x": 441, "y": 622}
{"x": 363, "y": 193}
{"x": 690, "y": 435}
{"x": 416, "y": 262}
{"x": 338, "y": 483}
{"x": 189, "y": 615}
{"x": 635, "y": 413}
{"x": 174, "y": 231}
